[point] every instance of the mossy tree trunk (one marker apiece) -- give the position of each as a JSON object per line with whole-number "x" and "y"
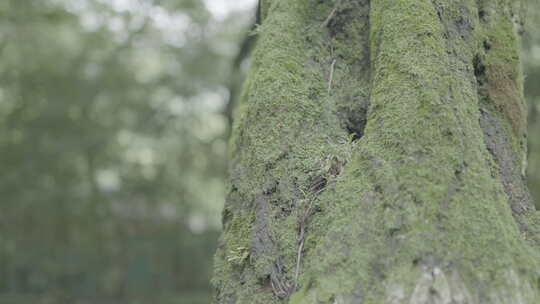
{"x": 378, "y": 157}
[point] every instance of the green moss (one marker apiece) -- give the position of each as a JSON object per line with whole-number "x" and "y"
{"x": 286, "y": 134}
{"x": 416, "y": 192}
{"x": 412, "y": 205}
{"x": 238, "y": 246}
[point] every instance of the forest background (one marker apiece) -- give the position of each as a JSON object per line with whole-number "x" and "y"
{"x": 114, "y": 119}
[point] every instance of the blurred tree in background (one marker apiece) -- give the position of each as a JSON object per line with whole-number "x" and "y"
{"x": 113, "y": 123}
{"x": 112, "y": 140}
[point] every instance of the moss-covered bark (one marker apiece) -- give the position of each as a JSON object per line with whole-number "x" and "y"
{"x": 378, "y": 157}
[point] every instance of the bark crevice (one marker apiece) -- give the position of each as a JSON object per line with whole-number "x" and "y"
{"x": 347, "y": 28}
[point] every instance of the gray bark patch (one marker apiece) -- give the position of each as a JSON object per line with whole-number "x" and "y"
{"x": 434, "y": 286}
{"x": 499, "y": 147}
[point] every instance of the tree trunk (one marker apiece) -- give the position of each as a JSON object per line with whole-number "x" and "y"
{"x": 378, "y": 157}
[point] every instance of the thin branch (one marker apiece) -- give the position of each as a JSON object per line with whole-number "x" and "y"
{"x": 298, "y": 260}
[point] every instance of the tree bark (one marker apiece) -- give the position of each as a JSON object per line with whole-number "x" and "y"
{"x": 378, "y": 156}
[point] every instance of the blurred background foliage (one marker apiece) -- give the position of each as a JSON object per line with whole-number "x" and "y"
{"x": 114, "y": 118}
{"x": 112, "y": 147}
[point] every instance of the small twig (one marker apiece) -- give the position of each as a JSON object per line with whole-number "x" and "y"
{"x": 301, "y": 236}
{"x": 331, "y": 75}
{"x": 327, "y": 20}
{"x": 280, "y": 290}
{"x": 332, "y": 13}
